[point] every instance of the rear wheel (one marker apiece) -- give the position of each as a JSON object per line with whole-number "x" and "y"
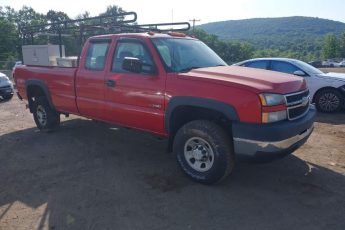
{"x": 46, "y": 118}
{"x": 328, "y": 101}
{"x": 204, "y": 151}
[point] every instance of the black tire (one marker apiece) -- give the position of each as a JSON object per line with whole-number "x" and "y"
{"x": 8, "y": 97}
{"x": 329, "y": 101}
{"x": 220, "y": 145}
{"x": 46, "y": 118}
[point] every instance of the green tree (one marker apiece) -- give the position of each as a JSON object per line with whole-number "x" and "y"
{"x": 27, "y": 16}
{"x": 9, "y": 13}
{"x": 230, "y": 52}
{"x": 342, "y": 45}
{"x": 112, "y": 11}
{"x": 8, "y": 38}
{"x": 330, "y": 48}
{"x": 56, "y": 17}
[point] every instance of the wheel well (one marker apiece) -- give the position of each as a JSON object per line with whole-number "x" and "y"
{"x": 33, "y": 92}
{"x": 184, "y": 114}
{"x": 322, "y": 89}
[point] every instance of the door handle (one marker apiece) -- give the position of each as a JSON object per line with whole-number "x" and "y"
{"x": 110, "y": 83}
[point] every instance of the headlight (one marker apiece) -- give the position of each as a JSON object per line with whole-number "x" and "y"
{"x": 274, "y": 116}
{"x": 271, "y": 99}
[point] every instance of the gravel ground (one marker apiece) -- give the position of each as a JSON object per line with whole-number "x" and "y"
{"x": 90, "y": 175}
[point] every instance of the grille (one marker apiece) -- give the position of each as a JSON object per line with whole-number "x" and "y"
{"x": 296, "y": 98}
{"x": 296, "y": 112}
{"x": 298, "y": 104}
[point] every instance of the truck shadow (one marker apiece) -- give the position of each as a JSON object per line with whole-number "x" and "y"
{"x": 334, "y": 119}
{"x": 90, "y": 175}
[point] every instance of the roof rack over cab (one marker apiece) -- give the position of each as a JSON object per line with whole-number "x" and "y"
{"x": 113, "y": 24}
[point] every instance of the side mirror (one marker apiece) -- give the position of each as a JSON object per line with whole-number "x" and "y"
{"x": 132, "y": 64}
{"x": 300, "y": 73}
{"x": 135, "y": 65}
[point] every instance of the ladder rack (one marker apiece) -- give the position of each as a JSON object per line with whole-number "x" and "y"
{"x": 113, "y": 24}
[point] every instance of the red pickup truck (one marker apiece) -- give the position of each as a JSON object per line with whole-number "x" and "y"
{"x": 176, "y": 87}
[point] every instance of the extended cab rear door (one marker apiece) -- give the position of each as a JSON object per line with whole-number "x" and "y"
{"x": 90, "y": 86}
{"x": 136, "y": 99}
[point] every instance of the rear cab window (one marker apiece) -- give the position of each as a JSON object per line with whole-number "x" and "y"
{"x": 96, "y": 55}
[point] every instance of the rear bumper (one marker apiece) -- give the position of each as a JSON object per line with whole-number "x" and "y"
{"x": 272, "y": 140}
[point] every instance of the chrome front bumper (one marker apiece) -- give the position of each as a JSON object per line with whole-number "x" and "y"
{"x": 276, "y": 139}
{"x": 252, "y": 147}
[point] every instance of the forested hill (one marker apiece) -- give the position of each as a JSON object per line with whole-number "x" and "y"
{"x": 275, "y": 33}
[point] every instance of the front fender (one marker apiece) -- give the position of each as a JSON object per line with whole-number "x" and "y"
{"x": 226, "y": 109}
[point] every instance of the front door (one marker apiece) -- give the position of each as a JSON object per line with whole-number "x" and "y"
{"x": 135, "y": 99}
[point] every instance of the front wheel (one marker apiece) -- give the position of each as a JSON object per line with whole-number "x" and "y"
{"x": 328, "y": 101}
{"x": 46, "y": 118}
{"x": 204, "y": 151}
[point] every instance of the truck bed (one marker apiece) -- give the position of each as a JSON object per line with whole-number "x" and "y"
{"x": 59, "y": 80}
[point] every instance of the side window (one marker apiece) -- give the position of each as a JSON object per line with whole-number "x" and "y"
{"x": 96, "y": 55}
{"x": 283, "y": 67}
{"x": 257, "y": 64}
{"x": 166, "y": 55}
{"x": 132, "y": 49}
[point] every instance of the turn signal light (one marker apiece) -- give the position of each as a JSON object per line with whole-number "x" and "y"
{"x": 274, "y": 116}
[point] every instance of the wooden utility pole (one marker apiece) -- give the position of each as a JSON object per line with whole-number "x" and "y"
{"x": 194, "y": 20}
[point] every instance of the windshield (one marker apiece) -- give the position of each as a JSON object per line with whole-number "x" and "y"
{"x": 308, "y": 68}
{"x": 183, "y": 55}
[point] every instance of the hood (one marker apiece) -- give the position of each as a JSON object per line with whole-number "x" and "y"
{"x": 2, "y": 75}
{"x": 4, "y": 80}
{"x": 4, "y": 83}
{"x": 249, "y": 78}
{"x": 334, "y": 76}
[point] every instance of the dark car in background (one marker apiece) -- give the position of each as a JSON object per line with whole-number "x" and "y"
{"x": 6, "y": 87}
{"x": 317, "y": 64}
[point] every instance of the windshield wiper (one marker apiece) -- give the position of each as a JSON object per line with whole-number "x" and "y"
{"x": 185, "y": 70}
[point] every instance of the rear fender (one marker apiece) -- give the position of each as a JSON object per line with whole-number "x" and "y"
{"x": 44, "y": 89}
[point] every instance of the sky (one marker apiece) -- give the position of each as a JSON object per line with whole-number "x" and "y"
{"x": 159, "y": 11}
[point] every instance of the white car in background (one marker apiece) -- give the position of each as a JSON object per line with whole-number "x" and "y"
{"x": 330, "y": 63}
{"x": 327, "y": 90}
{"x": 342, "y": 63}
